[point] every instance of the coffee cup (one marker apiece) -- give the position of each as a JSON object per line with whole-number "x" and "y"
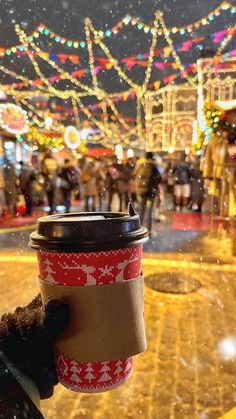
{"x": 93, "y": 261}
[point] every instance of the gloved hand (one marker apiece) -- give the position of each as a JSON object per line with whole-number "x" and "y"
{"x": 27, "y": 337}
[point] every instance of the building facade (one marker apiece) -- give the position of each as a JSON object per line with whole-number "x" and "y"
{"x": 170, "y": 114}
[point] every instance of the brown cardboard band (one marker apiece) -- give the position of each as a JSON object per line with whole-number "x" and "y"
{"x": 106, "y": 321}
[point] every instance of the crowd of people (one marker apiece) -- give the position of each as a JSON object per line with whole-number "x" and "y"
{"x": 146, "y": 181}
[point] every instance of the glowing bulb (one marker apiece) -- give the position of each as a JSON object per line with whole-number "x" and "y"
{"x": 48, "y": 122}
{"x": 72, "y": 137}
{"x": 130, "y": 153}
{"x": 119, "y": 151}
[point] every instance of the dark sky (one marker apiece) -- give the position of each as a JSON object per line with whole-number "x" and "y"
{"x": 66, "y": 17}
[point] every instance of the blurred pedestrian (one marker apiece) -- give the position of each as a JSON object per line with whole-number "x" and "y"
{"x": 2, "y": 193}
{"x": 10, "y": 188}
{"x": 26, "y": 177}
{"x": 113, "y": 175}
{"x": 89, "y": 180}
{"x": 49, "y": 169}
{"x": 100, "y": 180}
{"x": 147, "y": 179}
{"x": 197, "y": 187}
{"x": 129, "y": 178}
{"x": 182, "y": 187}
{"x": 69, "y": 179}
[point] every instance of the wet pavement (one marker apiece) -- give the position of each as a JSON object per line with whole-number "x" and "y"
{"x": 189, "y": 368}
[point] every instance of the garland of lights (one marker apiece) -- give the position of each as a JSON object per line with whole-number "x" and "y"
{"x": 102, "y": 96}
{"x": 43, "y": 141}
{"x": 216, "y": 119}
{"x": 65, "y": 74}
{"x": 56, "y": 92}
{"x": 126, "y": 20}
{"x": 132, "y": 60}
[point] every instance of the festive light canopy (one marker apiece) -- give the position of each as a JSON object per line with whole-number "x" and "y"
{"x": 115, "y": 127}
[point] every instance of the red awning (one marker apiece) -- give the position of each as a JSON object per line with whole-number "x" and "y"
{"x": 98, "y": 152}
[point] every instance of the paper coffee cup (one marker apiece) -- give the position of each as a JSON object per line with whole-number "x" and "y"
{"x": 93, "y": 260}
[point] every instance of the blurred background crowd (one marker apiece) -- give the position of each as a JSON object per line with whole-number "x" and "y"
{"x": 102, "y": 184}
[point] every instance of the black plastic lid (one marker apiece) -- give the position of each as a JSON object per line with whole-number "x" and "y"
{"x": 88, "y": 231}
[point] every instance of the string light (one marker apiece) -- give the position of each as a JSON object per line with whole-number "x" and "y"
{"x": 44, "y": 141}
{"x": 105, "y": 100}
{"x": 65, "y": 74}
{"x": 151, "y": 52}
{"x": 72, "y": 137}
{"x": 112, "y": 60}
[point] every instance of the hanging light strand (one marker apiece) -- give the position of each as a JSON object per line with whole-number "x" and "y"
{"x": 151, "y": 52}
{"x": 112, "y": 60}
{"x": 65, "y": 74}
{"x": 172, "y": 50}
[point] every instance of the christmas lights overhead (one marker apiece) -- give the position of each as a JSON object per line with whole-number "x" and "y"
{"x": 42, "y": 29}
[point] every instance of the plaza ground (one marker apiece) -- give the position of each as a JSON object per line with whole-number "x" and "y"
{"x": 189, "y": 368}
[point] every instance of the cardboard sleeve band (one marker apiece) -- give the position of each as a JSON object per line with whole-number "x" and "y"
{"x": 106, "y": 321}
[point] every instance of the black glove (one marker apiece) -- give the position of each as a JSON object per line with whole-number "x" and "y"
{"x": 27, "y": 337}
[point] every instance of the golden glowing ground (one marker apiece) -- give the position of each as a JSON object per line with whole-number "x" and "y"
{"x": 189, "y": 369}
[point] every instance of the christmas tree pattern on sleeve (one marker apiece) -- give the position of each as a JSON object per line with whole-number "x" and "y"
{"x": 88, "y": 377}
{"x": 91, "y": 269}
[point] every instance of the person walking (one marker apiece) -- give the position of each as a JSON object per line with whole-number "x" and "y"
{"x": 10, "y": 188}
{"x": 182, "y": 186}
{"x": 89, "y": 181}
{"x": 100, "y": 180}
{"x": 49, "y": 169}
{"x": 197, "y": 187}
{"x": 69, "y": 179}
{"x": 114, "y": 183}
{"x": 147, "y": 178}
{"x": 129, "y": 180}
{"x": 26, "y": 178}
